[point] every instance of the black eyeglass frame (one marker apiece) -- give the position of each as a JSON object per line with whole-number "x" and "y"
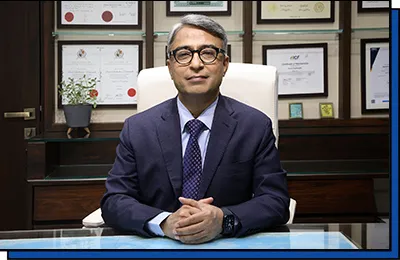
{"x": 218, "y": 50}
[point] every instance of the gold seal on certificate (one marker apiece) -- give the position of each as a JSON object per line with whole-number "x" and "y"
{"x": 319, "y": 7}
{"x": 272, "y": 7}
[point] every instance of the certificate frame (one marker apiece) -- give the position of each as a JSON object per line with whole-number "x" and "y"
{"x": 98, "y": 43}
{"x": 296, "y": 110}
{"x": 365, "y": 9}
{"x": 261, "y": 19}
{"x": 326, "y": 110}
{"x": 172, "y": 10}
{"x": 322, "y": 90}
{"x": 134, "y": 26}
{"x": 364, "y": 61}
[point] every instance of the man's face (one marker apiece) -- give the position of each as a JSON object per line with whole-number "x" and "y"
{"x": 197, "y": 78}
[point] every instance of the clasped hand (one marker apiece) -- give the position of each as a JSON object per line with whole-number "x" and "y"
{"x": 195, "y": 222}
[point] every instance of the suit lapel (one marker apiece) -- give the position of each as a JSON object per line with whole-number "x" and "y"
{"x": 222, "y": 129}
{"x": 169, "y": 136}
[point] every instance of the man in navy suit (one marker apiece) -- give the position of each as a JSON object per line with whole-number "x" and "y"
{"x": 224, "y": 180}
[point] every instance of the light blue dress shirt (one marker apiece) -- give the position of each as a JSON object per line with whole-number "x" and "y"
{"x": 206, "y": 117}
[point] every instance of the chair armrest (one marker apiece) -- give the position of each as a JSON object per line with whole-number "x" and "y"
{"x": 292, "y": 210}
{"x": 94, "y": 219}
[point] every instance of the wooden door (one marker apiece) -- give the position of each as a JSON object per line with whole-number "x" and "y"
{"x": 20, "y": 89}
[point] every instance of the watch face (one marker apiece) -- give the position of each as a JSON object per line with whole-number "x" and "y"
{"x": 228, "y": 224}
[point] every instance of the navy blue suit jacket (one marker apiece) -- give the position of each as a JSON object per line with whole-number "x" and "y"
{"x": 242, "y": 169}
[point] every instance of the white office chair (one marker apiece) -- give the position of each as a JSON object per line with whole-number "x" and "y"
{"x": 292, "y": 210}
{"x": 252, "y": 84}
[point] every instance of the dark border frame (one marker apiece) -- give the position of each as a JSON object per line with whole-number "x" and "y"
{"x": 95, "y": 26}
{"x": 361, "y": 9}
{"x": 89, "y": 42}
{"x": 209, "y": 13}
{"x": 261, "y": 20}
{"x": 324, "y": 46}
{"x": 363, "y": 45}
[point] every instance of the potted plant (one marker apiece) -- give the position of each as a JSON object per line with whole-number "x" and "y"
{"x": 79, "y": 96}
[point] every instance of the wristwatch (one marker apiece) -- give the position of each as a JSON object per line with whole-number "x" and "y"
{"x": 228, "y": 223}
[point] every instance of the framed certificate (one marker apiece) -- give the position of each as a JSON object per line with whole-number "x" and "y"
{"x": 99, "y": 14}
{"x": 116, "y": 64}
{"x": 295, "y": 12}
{"x": 373, "y": 6}
{"x": 302, "y": 68}
{"x": 375, "y": 68}
{"x": 216, "y": 8}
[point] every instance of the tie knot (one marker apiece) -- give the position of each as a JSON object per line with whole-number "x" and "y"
{"x": 195, "y": 127}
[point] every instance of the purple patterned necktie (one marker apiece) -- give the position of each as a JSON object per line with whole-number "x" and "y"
{"x": 192, "y": 164}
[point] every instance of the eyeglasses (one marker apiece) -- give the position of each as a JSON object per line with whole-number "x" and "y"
{"x": 207, "y": 54}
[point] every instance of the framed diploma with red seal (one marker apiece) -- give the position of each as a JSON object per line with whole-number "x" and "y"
{"x": 99, "y": 14}
{"x": 116, "y": 65}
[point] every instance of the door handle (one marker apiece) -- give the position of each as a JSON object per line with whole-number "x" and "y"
{"x": 28, "y": 114}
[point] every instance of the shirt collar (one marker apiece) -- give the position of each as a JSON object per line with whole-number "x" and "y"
{"x": 206, "y": 116}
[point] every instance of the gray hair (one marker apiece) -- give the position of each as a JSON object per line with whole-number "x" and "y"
{"x": 201, "y": 21}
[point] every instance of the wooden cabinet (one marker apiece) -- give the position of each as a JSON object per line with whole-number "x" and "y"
{"x": 66, "y": 201}
{"x": 66, "y": 176}
{"x": 340, "y": 197}
{"x": 320, "y": 199}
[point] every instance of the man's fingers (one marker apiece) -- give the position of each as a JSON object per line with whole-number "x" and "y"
{"x": 189, "y": 202}
{"x": 188, "y": 211}
{"x": 208, "y": 200}
{"x": 193, "y": 219}
{"x": 189, "y": 230}
{"x": 195, "y": 203}
{"x": 194, "y": 239}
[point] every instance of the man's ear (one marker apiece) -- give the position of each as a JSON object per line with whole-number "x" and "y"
{"x": 226, "y": 64}
{"x": 169, "y": 68}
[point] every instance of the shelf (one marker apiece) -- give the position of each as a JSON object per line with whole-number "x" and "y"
{"x": 78, "y": 172}
{"x": 165, "y": 33}
{"x": 239, "y": 33}
{"x": 377, "y": 29}
{"x": 283, "y": 32}
{"x": 123, "y": 33}
{"x": 339, "y": 173}
{"x": 80, "y": 136}
{"x": 100, "y": 33}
